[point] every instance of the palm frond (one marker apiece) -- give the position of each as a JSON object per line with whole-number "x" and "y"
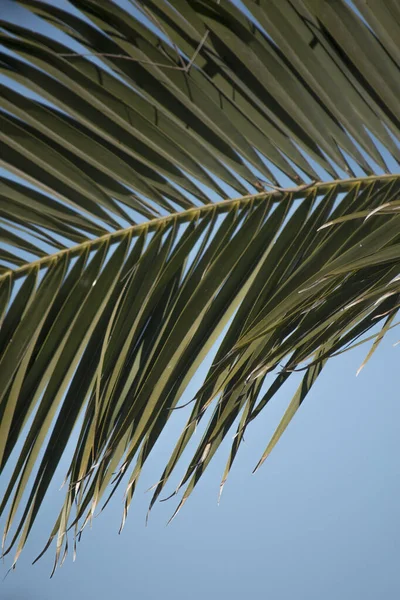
{"x": 123, "y": 265}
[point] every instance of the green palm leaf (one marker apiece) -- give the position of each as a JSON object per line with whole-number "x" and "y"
{"x": 123, "y": 265}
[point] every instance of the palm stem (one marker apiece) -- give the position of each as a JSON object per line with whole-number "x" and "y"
{"x": 192, "y": 213}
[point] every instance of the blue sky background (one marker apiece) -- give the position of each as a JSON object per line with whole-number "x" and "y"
{"x": 319, "y": 520}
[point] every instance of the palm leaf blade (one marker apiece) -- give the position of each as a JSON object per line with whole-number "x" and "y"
{"x": 122, "y": 265}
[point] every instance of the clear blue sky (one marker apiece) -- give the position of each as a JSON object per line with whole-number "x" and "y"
{"x": 320, "y": 520}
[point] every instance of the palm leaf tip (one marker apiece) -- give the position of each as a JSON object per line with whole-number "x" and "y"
{"x": 119, "y": 276}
